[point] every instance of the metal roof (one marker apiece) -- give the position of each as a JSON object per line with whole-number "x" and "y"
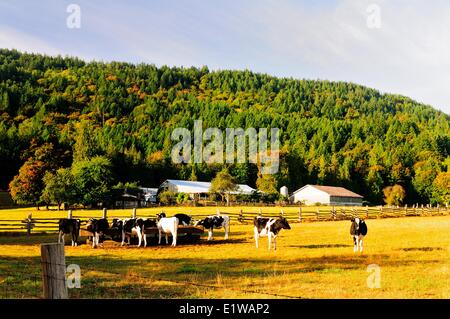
{"x": 191, "y": 187}
{"x": 332, "y": 191}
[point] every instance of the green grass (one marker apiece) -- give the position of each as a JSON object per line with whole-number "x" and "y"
{"x": 313, "y": 260}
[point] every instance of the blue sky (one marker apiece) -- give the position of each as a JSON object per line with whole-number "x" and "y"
{"x": 408, "y": 54}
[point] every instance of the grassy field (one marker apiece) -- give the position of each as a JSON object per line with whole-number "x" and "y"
{"x": 313, "y": 260}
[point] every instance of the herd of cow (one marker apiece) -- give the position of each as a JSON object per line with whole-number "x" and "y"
{"x": 263, "y": 227}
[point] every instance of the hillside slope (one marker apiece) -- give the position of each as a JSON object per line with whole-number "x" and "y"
{"x": 331, "y": 132}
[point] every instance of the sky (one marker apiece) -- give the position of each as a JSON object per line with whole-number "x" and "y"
{"x": 395, "y": 46}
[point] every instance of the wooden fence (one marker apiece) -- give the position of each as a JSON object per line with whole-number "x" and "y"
{"x": 30, "y": 225}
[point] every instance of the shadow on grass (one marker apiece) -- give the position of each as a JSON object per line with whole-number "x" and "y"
{"x": 421, "y": 248}
{"x": 111, "y": 275}
{"x": 320, "y": 246}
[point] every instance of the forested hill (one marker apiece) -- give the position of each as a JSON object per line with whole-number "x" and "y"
{"x": 57, "y": 111}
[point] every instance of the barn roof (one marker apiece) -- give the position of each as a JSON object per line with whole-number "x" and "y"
{"x": 191, "y": 187}
{"x": 333, "y": 191}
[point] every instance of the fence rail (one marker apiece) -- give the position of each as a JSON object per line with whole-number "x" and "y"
{"x": 300, "y": 214}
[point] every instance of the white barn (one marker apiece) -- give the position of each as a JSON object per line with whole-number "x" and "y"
{"x": 326, "y": 195}
{"x": 200, "y": 188}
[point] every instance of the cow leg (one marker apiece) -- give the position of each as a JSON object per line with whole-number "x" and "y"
{"x": 256, "y": 236}
{"x": 144, "y": 237}
{"x": 167, "y": 238}
{"x": 139, "y": 234}
{"x": 274, "y": 243}
{"x": 123, "y": 238}
{"x": 93, "y": 240}
{"x": 74, "y": 239}
{"x": 159, "y": 240}
{"x": 210, "y": 234}
{"x": 59, "y": 237}
{"x": 361, "y": 237}
{"x": 174, "y": 238}
{"x": 227, "y": 229}
{"x": 355, "y": 244}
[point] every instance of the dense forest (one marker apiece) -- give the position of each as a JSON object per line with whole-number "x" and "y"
{"x": 59, "y": 113}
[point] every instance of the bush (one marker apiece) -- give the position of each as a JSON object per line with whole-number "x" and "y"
{"x": 167, "y": 197}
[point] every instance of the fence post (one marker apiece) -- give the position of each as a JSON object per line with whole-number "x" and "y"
{"x": 105, "y": 213}
{"x": 300, "y": 214}
{"x": 69, "y": 214}
{"x": 317, "y": 213}
{"x": 281, "y": 213}
{"x": 241, "y": 216}
{"x": 134, "y": 213}
{"x": 53, "y": 271}
{"x": 367, "y": 211}
{"x": 333, "y": 214}
{"x": 29, "y": 224}
{"x": 260, "y": 212}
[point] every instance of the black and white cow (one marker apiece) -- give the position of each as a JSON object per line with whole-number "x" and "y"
{"x": 358, "y": 230}
{"x": 128, "y": 226}
{"x": 167, "y": 225}
{"x": 97, "y": 227}
{"x": 216, "y": 221}
{"x": 183, "y": 219}
{"x": 269, "y": 227}
{"x": 69, "y": 226}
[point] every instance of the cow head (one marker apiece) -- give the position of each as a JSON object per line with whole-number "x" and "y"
{"x": 200, "y": 222}
{"x": 284, "y": 223}
{"x": 160, "y": 215}
{"x": 117, "y": 223}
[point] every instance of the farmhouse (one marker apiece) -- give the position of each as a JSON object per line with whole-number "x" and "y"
{"x": 200, "y": 189}
{"x": 327, "y": 195}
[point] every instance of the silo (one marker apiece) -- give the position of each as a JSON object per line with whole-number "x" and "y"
{"x": 284, "y": 191}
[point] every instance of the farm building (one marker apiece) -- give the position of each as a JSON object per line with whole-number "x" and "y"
{"x": 149, "y": 194}
{"x": 327, "y": 195}
{"x": 200, "y": 189}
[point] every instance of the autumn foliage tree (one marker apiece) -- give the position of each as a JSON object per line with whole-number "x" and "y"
{"x": 223, "y": 184}
{"x": 394, "y": 195}
{"x": 26, "y": 187}
{"x": 441, "y": 188}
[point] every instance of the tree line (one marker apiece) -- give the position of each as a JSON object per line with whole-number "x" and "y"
{"x": 96, "y": 126}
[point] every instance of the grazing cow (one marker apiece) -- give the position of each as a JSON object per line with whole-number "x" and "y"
{"x": 167, "y": 225}
{"x": 69, "y": 226}
{"x": 183, "y": 219}
{"x": 216, "y": 221}
{"x": 358, "y": 230}
{"x": 97, "y": 227}
{"x": 269, "y": 227}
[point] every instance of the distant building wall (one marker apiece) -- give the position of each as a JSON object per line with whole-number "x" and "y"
{"x": 310, "y": 195}
{"x": 345, "y": 201}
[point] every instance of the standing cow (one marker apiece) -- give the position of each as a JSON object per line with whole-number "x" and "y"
{"x": 97, "y": 227}
{"x": 358, "y": 230}
{"x": 269, "y": 227}
{"x": 167, "y": 225}
{"x": 69, "y": 226}
{"x": 216, "y": 221}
